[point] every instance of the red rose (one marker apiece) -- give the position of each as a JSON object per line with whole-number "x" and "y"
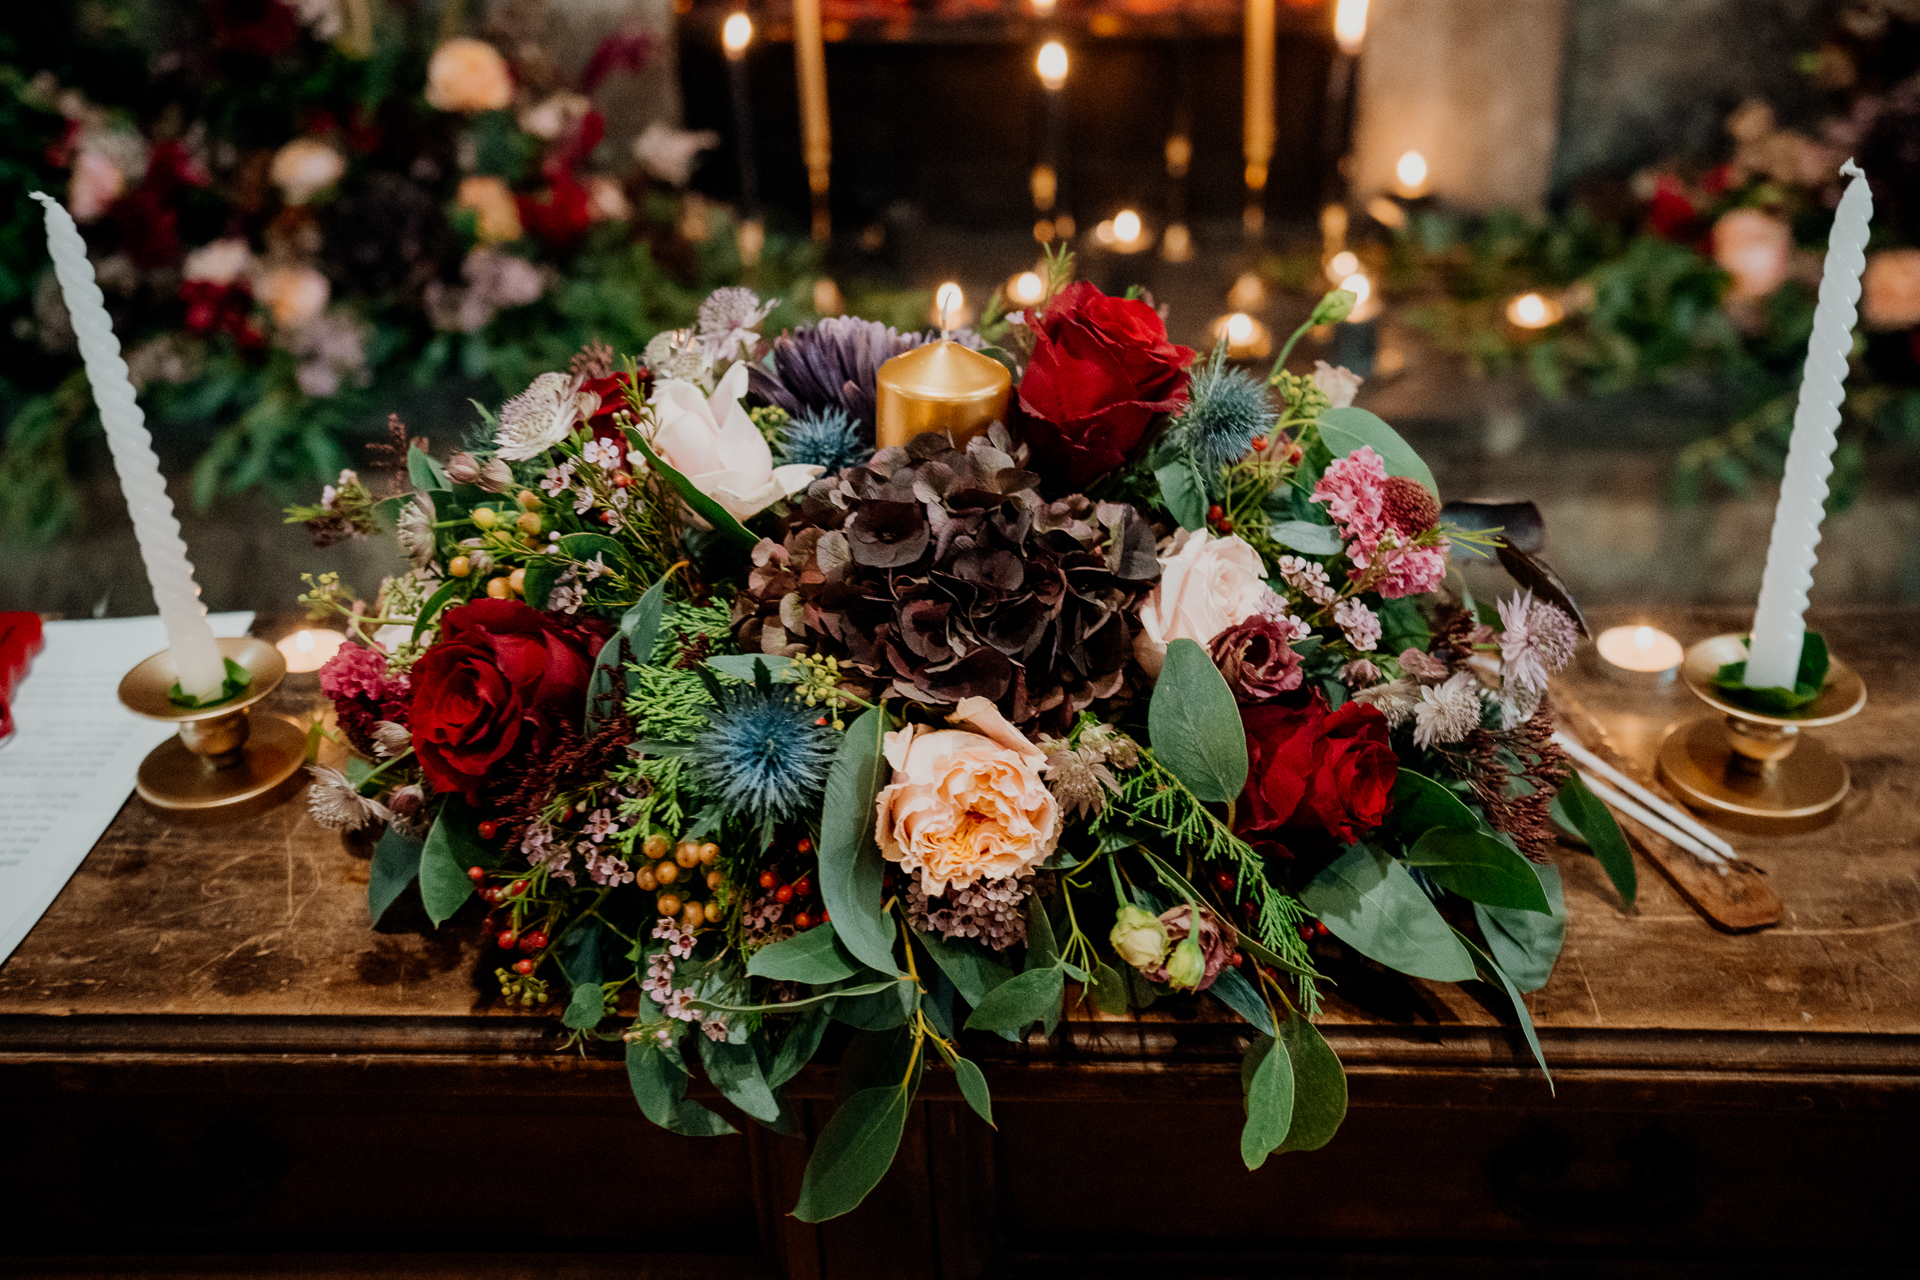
{"x": 1101, "y": 369}
{"x": 612, "y": 391}
{"x": 559, "y": 215}
{"x": 501, "y": 678}
{"x": 1313, "y": 769}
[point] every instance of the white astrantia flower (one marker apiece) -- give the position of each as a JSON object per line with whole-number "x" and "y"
{"x": 1395, "y": 699}
{"x": 1447, "y": 712}
{"x": 1537, "y": 640}
{"x": 727, "y": 320}
{"x": 711, "y": 441}
{"x": 391, "y": 738}
{"x": 337, "y": 806}
{"x": 542, "y": 416}
{"x": 414, "y": 530}
{"x": 678, "y": 353}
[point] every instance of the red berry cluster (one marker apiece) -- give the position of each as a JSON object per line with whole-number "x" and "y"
{"x": 799, "y": 897}
{"x": 1217, "y": 518}
{"x": 531, "y": 942}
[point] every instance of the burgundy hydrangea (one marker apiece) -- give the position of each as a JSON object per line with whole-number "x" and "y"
{"x": 363, "y": 693}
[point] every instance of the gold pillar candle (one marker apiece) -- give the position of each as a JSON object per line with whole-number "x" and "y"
{"x": 810, "y": 70}
{"x": 941, "y": 386}
{"x": 1257, "y": 129}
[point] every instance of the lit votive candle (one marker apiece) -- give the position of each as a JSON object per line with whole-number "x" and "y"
{"x": 309, "y": 650}
{"x": 1639, "y": 652}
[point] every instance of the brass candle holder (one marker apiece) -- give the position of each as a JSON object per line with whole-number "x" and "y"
{"x": 1747, "y": 763}
{"x": 223, "y": 763}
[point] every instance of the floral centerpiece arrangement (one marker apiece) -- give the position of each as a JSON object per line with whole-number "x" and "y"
{"x": 750, "y": 737}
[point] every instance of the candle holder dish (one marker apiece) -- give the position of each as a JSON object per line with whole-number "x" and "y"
{"x": 223, "y": 763}
{"x": 1748, "y": 763}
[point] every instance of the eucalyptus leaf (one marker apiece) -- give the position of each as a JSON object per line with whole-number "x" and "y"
{"x": 585, "y": 546}
{"x": 1493, "y": 973}
{"x": 1420, "y": 803}
{"x": 970, "y": 967}
{"x": 424, "y": 473}
{"x": 853, "y": 1153}
{"x": 1527, "y": 943}
{"x": 973, "y": 1087}
{"x": 1584, "y": 812}
{"x": 1319, "y": 1087}
{"x": 1368, "y": 901}
{"x": 1108, "y": 989}
{"x": 1269, "y": 1100}
{"x": 1183, "y": 493}
{"x": 802, "y": 1041}
{"x": 1479, "y": 868}
{"x": 452, "y": 847}
{"x": 814, "y": 957}
{"x": 1307, "y": 537}
{"x": 1240, "y": 996}
{"x": 586, "y": 1007}
{"x": 539, "y": 582}
{"x": 881, "y": 1010}
{"x": 741, "y": 665}
{"x": 1020, "y": 1001}
{"x": 638, "y": 628}
{"x": 660, "y": 1087}
{"x": 850, "y": 863}
{"x": 396, "y": 862}
{"x": 1345, "y": 430}
{"x": 430, "y": 611}
{"x": 1194, "y": 724}
{"x": 734, "y": 1069}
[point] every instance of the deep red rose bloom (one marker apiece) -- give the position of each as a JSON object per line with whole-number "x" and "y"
{"x": 1101, "y": 369}
{"x": 559, "y": 215}
{"x": 612, "y": 391}
{"x": 499, "y": 681}
{"x": 1314, "y": 769}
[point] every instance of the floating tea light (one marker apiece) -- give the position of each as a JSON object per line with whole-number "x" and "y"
{"x": 1640, "y": 651}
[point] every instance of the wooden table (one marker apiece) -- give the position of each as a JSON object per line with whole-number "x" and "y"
{"x": 214, "y": 1066}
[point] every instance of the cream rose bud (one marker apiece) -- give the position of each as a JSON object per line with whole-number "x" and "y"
{"x": 304, "y": 168}
{"x": 711, "y": 441}
{"x": 468, "y": 75}
{"x": 1139, "y": 938}
{"x": 295, "y": 295}
{"x": 1207, "y": 584}
{"x": 965, "y": 804}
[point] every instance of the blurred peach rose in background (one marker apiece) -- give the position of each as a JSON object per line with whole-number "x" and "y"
{"x": 1754, "y": 248}
{"x": 468, "y": 75}
{"x": 493, "y": 200}
{"x": 1890, "y": 291}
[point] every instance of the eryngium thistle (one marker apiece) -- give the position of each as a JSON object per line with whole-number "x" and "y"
{"x": 830, "y": 365}
{"x": 938, "y": 574}
{"x": 761, "y": 755}
{"x": 831, "y": 438}
{"x": 1226, "y": 408}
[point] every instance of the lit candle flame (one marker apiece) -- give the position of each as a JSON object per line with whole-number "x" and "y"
{"x": 1027, "y": 288}
{"x": 1411, "y": 173}
{"x": 948, "y": 300}
{"x": 1342, "y": 264}
{"x": 1239, "y": 329}
{"x": 1126, "y": 226}
{"x": 736, "y": 34}
{"x": 1361, "y": 288}
{"x": 1052, "y": 64}
{"x": 1350, "y": 25}
{"x": 1532, "y": 311}
{"x": 1643, "y": 638}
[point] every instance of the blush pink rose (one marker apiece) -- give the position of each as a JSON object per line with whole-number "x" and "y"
{"x": 965, "y": 804}
{"x": 468, "y": 75}
{"x": 1755, "y": 248}
{"x": 1207, "y": 584}
{"x": 711, "y": 441}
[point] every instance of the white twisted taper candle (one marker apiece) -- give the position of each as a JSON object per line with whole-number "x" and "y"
{"x": 196, "y": 657}
{"x": 1779, "y": 627}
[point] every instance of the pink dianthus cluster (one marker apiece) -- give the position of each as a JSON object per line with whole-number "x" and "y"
{"x": 1354, "y": 490}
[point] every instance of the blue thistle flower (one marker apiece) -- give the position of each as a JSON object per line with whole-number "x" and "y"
{"x": 829, "y": 437}
{"x": 761, "y": 756}
{"x": 1226, "y": 408}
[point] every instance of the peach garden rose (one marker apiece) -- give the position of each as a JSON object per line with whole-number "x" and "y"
{"x": 468, "y": 75}
{"x": 965, "y": 804}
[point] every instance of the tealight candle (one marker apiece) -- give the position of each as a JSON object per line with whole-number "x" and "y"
{"x": 941, "y": 386}
{"x": 309, "y": 650}
{"x": 1642, "y": 650}
{"x": 1410, "y": 176}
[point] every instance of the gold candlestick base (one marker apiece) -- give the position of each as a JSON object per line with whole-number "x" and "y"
{"x": 1748, "y": 764}
{"x": 222, "y": 764}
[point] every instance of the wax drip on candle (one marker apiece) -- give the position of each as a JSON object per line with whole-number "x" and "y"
{"x": 1779, "y": 625}
{"x": 196, "y": 657}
